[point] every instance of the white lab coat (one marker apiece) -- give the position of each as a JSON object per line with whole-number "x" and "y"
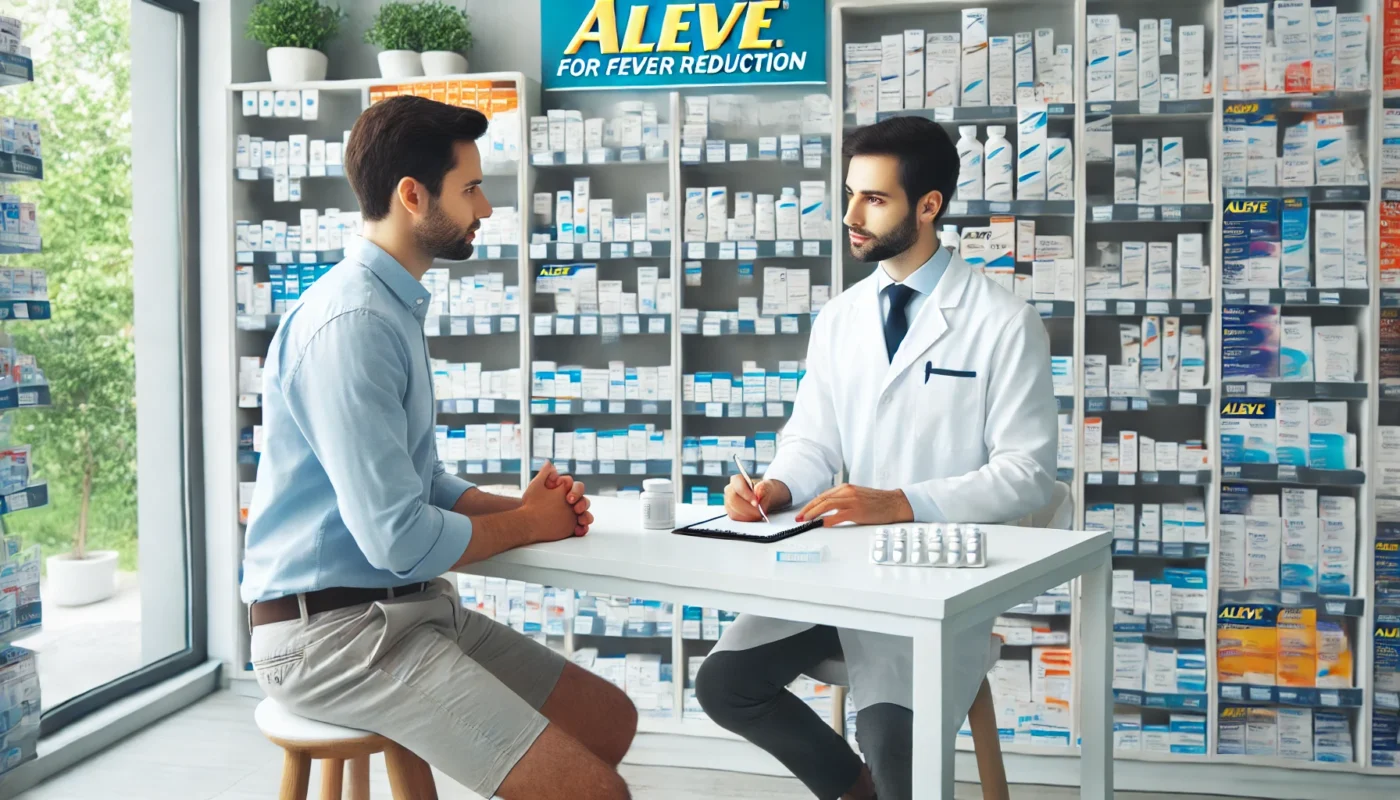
{"x": 983, "y": 445}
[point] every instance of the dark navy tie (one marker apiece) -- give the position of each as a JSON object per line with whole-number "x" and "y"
{"x": 896, "y": 323}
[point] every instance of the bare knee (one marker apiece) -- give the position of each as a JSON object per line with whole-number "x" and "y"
{"x": 559, "y": 767}
{"x": 593, "y": 711}
{"x": 617, "y": 729}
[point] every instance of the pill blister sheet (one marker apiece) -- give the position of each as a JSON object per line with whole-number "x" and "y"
{"x": 951, "y": 546}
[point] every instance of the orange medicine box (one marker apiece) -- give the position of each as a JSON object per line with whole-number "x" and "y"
{"x": 1297, "y": 647}
{"x": 1247, "y": 643}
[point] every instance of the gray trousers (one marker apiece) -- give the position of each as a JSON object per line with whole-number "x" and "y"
{"x": 745, "y": 691}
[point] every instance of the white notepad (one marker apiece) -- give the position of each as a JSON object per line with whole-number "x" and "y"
{"x": 778, "y": 527}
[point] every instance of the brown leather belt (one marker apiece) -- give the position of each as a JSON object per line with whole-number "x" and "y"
{"x": 285, "y": 608}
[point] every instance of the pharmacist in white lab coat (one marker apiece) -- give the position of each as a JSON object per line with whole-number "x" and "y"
{"x": 929, "y": 385}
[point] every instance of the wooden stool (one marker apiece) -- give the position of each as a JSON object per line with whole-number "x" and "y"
{"x": 410, "y": 777}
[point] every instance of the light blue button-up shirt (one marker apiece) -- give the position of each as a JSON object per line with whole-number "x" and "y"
{"x": 923, "y": 281}
{"x": 350, "y": 491}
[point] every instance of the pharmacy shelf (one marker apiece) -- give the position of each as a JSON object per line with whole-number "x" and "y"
{"x": 468, "y": 468}
{"x": 1316, "y": 195}
{"x": 25, "y": 309}
{"x": 16, "y": 167}
{"x": 1326, "y": 101}
{"x": 989, "y": 114}
{"x": 782, "y": 324}
{"x": 19, "y": 633}
{"x": 719, "y": 469}
{"x": 1163, "y": 626}
{"x": 793, "y": 158}
{"x": 1304, "y": 297}
{"x": 657, "y": 468}
{"x": 269, "y": 258}
{"x": 598, "y": 157}
{"x": 1193, "y": 478}
{"x": 598, "y": 251}
{"x": 1065, "y": 403}
{"x": 1173, "y": 701}
{"x": 748, "y": 251}
{"x": 266, "y": 323}
{"x": 1162, "y": 551}
{"x": 32, "y": 496}
{"x": 545, "y": 406}
{"x": 1283, "y": 473}
{"x": 456, "y": 326}
{"x": 1250, "y": 694}
{"x": 1326, "y": 604}
{"x": 1102, "y": 211}
{"x": 1160, "y": 398}
{"x": 1297, "y": 390}
{"x": 1137, "y": 308}
{"x": 251, "y": 174}
{"x": 976, "y": 209}
{"x": 1167, "y": 110}
{"x": 737, "y": 410}
{"x": 492, "y": 252}
{"x": 1044, "y": 606}
{"x": 589, "y": 325}
{"x": 482, "y": 405}
{"x": 32, "y": 396}
{"x": 1053, "y": 309}
{"x": 15, "y": 69}
{"x": 13, "y": 244}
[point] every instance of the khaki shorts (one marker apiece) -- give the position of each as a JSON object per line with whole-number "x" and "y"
{"x": 460, "y": 690}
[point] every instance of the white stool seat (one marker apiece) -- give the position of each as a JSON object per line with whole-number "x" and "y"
{"x": 276, "y": 722}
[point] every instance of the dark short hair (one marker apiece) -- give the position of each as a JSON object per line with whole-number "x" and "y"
{"x": 928, "y": 159}
{"x": 405, "y": 137}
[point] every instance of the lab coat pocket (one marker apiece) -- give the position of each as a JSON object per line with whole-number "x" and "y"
{"x": 954, "y": 399}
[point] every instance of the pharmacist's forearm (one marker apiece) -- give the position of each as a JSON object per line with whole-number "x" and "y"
{"x": 493, "y": 534}
{"x": 475, "y": 502}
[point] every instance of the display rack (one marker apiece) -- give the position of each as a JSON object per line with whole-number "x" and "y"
{"x": 21, "y": 605}
{"x": 1088, "y": 321}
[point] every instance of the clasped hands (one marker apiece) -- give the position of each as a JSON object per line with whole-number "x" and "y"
{"x": 556, "y": 505}
{"x": 844, "y": 503}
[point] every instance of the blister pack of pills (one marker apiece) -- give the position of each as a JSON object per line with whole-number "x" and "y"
{"x": 948, "y": 545}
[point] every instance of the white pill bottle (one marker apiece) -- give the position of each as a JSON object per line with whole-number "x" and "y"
{"x": 658, "y": 504}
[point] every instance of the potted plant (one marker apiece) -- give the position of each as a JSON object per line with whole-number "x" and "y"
{"x": 446, "y": 38}
{"x": 295, "y": 32}
{"x": 395, "y": 31}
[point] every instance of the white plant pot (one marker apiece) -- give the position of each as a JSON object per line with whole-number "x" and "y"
{"x": 296, "y": 64}
{"x": 400, "y": 64}
{"x": 74, "y": 582}
{"x": 437, "y": 63}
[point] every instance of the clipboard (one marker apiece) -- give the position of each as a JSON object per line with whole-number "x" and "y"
{"x": 759, "y": 532}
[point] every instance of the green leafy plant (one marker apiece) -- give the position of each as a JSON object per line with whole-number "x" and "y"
{"x": 444, "y": 27}
{"x": 396, "y": 26}
{"x": 293, "y": 23}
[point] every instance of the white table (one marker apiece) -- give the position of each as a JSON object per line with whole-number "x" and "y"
{"x": 928, "y": 605}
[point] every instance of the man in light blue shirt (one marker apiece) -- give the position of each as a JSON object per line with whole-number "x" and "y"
{"x": 354, "y": 519}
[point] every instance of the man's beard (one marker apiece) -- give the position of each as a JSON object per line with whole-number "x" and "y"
{"x": 438, "y": 235}
{"x": 881, "y": 248}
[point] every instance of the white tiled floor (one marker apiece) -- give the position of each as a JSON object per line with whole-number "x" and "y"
{"x": 212, "y": 751}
